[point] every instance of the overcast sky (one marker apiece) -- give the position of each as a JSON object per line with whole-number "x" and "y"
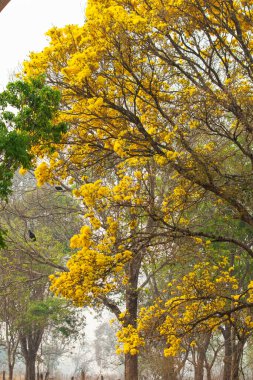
{"x": 23, "y": 24}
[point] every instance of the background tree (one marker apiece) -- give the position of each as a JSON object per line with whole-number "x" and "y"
{"x": 33, "y": 106}
{"x": 104, "y": 344}
{"x": 29, "y": 309}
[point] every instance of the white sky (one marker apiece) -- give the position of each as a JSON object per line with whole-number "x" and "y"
{"x": 22, "y": 27}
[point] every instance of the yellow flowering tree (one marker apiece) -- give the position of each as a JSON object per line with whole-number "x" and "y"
{"x": 209, "y": 299}
{"x": 157, "y": 97}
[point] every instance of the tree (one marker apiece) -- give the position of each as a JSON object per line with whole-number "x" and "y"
{"x": 104, "y": 344}
{"x": 34, "y": 105}
{"x": 42, "y": 316}
{"x": 29, "y": 311}
{"x": 158, "y": 102}
{"x": 9, "y": 339}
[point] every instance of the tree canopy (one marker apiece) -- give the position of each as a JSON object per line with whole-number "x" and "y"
{"x": 157, "y": 97}
{"x": 26, "y": 119}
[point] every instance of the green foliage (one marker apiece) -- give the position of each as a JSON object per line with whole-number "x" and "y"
{"x": 28, "y": 109}
{"x": 51, "y": 311}
{"x": 27, "y": 113}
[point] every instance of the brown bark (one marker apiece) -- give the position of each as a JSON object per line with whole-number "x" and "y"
{"x": 201, "y": 359}
{"x": 10, "y": 374}
{"x": 133, "y": 269}
{"x": 30, "y": 343}
{"x": 236, "y": 359}
{"x": 169, "y": 372}
{"x": 30, "y": 373}
{"x": 233, "y": 354}
{"x": 208, "y": 371}
{"x": 12, "y": 342}
{"x": 199, "y": 368}
{"x": 226, "y": 332}
{"x": 3, "y": 4}
{"x": 131, "y": 367}
{"x": 83, "y": 375}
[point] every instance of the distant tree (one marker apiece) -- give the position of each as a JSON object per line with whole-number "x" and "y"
{"x": 105, "y": 343}
{"x": 29, "y": 310}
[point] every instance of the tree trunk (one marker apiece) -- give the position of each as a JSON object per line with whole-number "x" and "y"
{"x": 10, "y": 374}
{"x": 169, "y": 372}
{"x": 131, "y": 367}
{"x": 237, "y": 355}
{"x": 133, "y": 269}
{"x": 83, "y": 375}
{"x": 202, "y": 347}
{"x": 233, "y": 353}
{"x": 30, "y": 372}
{"x": 199, "y": 368}
{"x": 30, "y": 343}
{"x": 208, "y": 371}
{"x": 227, "y": 369}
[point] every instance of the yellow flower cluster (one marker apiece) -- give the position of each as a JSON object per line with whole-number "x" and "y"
{"x": 93, "y": 194}
{"x": 83, "y": 240}
{"x": 130, "y": 339}
{"x": 90, "y": 275}
{"x": 125, "y": 190}
{"x": 42, "y": 173}
{"x": 95, "y": 269}
{"x": 22, "y": 171}
{"x": 195, "y": 303}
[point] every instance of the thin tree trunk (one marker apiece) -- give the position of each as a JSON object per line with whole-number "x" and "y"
{"x": 202, "y": 347}
{"x": 10, "y": 374}
{"x": 83, "y": 375}
{"x": 237, "y": 355}
{"x": 131, "y": 361}
{"x": 199, "y": 368}
{"x": 227, "y": 369}
{"x": 233, "y": 353}
{"x": 208, "y": 371}
{"x": 169, "y": 372}
{"x": 12, "y": 341}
